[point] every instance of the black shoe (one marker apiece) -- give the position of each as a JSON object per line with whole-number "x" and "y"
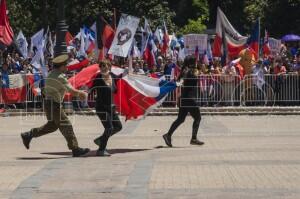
{"x": 196, "y": 142}
{"x": 26, "y": 137}
{"x": 103, "y": 153}
{"x": 97, "y": 141}
{"x": 168, "y": 140}
{"x": 80, "y": 152}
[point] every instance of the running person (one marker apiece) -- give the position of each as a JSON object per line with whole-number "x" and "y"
{"x": 188, "y": 102}
{"x": 105, "y": 86}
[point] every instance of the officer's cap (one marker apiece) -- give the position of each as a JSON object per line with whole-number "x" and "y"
{"x": 61, "y": 59}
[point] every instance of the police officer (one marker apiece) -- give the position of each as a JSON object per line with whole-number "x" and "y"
{"x": 188, "y": 102}
{"x": 56, "y": 85}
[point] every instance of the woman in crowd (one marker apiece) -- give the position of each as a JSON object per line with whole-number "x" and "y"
{"x": 188, "y": 102}
{"x": 105, "y": 86}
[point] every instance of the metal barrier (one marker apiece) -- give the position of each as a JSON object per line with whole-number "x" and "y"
{"x": 227, "y": 90}
{"x": 223, "y": 90}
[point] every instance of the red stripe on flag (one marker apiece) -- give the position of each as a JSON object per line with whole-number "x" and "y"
{"x": 131, "y": 103}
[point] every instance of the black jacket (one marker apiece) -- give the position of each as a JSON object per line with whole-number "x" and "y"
{"x": 189, "y": 90}
{"x": 105, "y": 93}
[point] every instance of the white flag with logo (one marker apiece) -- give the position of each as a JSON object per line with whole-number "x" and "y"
{"x": 37, "y": 42}
{"x": 22, "y": 44}
{"x": 124, "y": 36}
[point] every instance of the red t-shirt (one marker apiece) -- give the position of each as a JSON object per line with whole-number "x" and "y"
{"x": 280, "y": 69}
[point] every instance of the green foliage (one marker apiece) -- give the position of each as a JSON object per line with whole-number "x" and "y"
{"x": 188, "y": 9}
{"x": 278, "y": 16}
{"x": 31, "y": 15}
{"x": 194, "y": 26}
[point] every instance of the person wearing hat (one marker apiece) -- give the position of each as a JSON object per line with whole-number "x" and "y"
{"x": 56, "y": 84}
{"x": 188, "y": 102}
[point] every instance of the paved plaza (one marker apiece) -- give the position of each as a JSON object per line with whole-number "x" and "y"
{"x": 244, "y": 157}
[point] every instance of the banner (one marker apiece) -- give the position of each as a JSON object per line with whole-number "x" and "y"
{"x": 37, "y": 42}
{"x": 275, "y": 46}
{"x": 124, "y": 36}
{"x": 22, "y": 44}
{"x": 192, "y": 41}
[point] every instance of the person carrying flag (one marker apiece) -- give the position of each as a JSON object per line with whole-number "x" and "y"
{"x": 188, "y": 102}
{"x": 105, "y": 86}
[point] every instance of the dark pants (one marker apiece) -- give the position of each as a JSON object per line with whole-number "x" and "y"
{"x": 183, "y": 112}
{"x": 111, "y": 124}
{"x": 57, "y": 119}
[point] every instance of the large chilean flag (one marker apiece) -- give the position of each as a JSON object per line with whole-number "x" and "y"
{"x": 234, "y": 40}
{"x": 137, "y": 95}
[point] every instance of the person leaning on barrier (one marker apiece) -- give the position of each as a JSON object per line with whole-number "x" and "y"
{"x": 188, "y": 102}
{"x": 56, "y": 85}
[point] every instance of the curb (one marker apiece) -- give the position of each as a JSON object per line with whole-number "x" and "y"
{"x": 234, "y": 111}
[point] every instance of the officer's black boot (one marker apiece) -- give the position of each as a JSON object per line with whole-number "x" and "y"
{"x": 80, "y": 152}
{"x": 26, "y": 137}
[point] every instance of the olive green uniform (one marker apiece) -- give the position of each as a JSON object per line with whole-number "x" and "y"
{"x": 56, "y": 85}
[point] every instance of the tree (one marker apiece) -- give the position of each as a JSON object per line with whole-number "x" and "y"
{"x": 29, "y": 15}
{"x": 194, "y": 26}
{"x": 188, "y": 9}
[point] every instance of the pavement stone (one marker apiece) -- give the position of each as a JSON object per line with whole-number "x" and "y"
{"x": 244, "y": 157}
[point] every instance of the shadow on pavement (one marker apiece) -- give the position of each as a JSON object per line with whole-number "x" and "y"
{"x": 90, "y": 154}
{"x": 39, "y": 158}
{"x": 166, "y": 147}
{"x": 93, "y": 153}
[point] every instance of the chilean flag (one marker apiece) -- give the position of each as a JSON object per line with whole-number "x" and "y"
{"x": 266, "y": 46}
{"x": 13, "y": 88}
{"x": 138, "y": 95}
{"x": 35, "y": 80}
{"x": 150, "y": 49}
{"x": 253, "y": 40}
{"x": 226, "y": 32}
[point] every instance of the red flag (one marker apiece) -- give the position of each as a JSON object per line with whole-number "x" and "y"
{"x": 85, "y": 77}
{"x": 79, "y": 65}
{"x": 6, "y": 33}
{"x": 69, "y": 38}
{"x": 108, "y": 36}
{"x": 105, "y": 36}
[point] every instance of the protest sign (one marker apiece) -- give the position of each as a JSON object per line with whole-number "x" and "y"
{"x": 275, "y": 46}
{"x": 192, "y": 41}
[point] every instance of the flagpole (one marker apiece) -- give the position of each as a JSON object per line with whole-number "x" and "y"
{"x": 259, "y": 38}
{"x": 115, "y": 19}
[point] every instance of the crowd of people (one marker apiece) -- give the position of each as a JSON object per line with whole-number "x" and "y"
{"x": 285, "y": 62}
